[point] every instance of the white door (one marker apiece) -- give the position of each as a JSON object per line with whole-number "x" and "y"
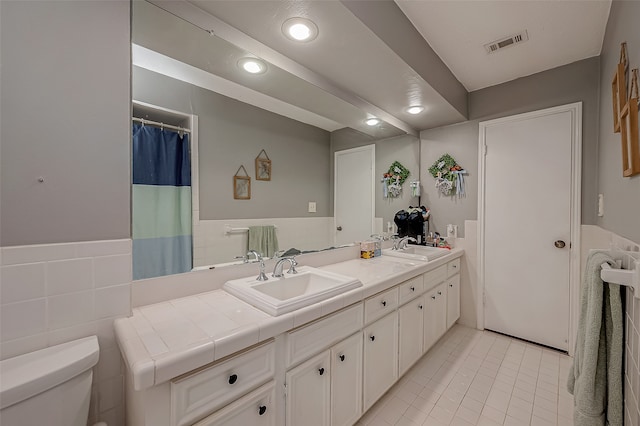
{"x": 380, "y": 358}
{"x": 411, "y": 317}
{"x": 526, "y": 224}
{"x": 354, "y": 189}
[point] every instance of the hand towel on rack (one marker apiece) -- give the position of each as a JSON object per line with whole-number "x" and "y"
{"x": 263, "y": 239}
{"x": 595, "y": 378}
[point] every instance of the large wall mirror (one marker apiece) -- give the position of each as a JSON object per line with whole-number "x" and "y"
{"x": 220, "y": 117}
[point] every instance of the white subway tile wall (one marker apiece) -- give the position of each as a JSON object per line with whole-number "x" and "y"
{"x": 55, "y": 293}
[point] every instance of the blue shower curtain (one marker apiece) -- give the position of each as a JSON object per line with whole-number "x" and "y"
{"x": 161, "y": 199}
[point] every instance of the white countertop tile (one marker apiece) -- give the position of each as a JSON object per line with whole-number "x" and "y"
{"x": 167, "y": 339}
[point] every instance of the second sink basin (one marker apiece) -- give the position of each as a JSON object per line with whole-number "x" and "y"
{"x": 293, "y": 291}
{"x": 423, "y": 253}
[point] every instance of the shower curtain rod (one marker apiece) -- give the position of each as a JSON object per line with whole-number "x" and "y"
{"x": 157, "y": 123}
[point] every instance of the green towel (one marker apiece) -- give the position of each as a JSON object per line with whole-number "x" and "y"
{"x": 595, "y": 378}
{"x": 263, "y": 239}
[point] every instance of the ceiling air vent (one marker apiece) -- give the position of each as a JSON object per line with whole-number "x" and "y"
{"x": 507, "y": 42}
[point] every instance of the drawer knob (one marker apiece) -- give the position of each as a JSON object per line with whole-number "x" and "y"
{"x": 440, "y": 293}
{"x": 384, "y": 303}
{"x": 412, "y": 288}
{"x": 342, "y": 358}
{"x": 433, "y": 297}
{"x": 262, "y": 409}
{"x": 372, "y": 338}
{"x": 451, "y": 285}
{"x": 233, "y": 378}
{"x": 420, "y": 306}
{"x": 321, "y": 371}
{"x": 454, "y": 266}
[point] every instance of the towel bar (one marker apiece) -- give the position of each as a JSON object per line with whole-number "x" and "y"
{"x": 230, "y": 230}
{"x": 627, "y": 272}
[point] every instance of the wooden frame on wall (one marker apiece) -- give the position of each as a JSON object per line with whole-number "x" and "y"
{"x": 619, "y": 95}
{"x": 241, "y": 185}
{"x": 629, "y": 131}
{"x": 263, "y": 166}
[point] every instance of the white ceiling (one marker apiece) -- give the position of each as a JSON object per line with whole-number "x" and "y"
{"x": 381, "y": 56}
{"x": 560, "y": 32}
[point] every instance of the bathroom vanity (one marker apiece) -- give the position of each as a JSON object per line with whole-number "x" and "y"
{"x": 211, "y": 359}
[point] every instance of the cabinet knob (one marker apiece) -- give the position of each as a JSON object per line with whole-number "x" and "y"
{"x": 321, "y": 371}
{"x": 439, "y": 293}
{"x": 412, "y": 288}
{"x": 342, "y": 357}
{"x": 372, "y": 338}
{"x": 450, "y": 285}
{"x": 233, "y": 378}
{"x": 420, "y": 306}
{"x": 384, "y": 303}
{"x": 262, "y": 409}
{"x": 433, "y": 297}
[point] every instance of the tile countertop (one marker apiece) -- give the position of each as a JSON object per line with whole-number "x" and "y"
{"x": 164, "y": 340}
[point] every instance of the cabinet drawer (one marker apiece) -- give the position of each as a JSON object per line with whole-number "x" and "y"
{"x": 381, "y": 304}
{"x": 453, "y": 267}
{"x": 315, "y": 337}
{"x": 257, "y": 408}
{"x": 411, "y": 289}
{"x": 435, "y": 277}
{"x": 195, "y": 396}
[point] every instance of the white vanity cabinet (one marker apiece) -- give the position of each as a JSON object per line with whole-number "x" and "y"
{"x": 453, "y": 300}
{"x": 435, "y": 317}
{"x": 346, "y": 381}
{"x": 380, "y": 357}
{"x": 309, "y": 391}
{"x": 255, "y": 409}
{"x": 327, "y": 389}
{"x": 411, "y": 330}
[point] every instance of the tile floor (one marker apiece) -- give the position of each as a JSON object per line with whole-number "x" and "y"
{"x": 474, "y": 377}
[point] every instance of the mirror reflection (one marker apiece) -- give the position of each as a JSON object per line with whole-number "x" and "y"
{"x": 216, "y": 120}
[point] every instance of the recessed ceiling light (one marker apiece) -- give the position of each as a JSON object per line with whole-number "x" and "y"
{"x": 415, "y": 109}
{"x": 372, "y": 121}
{"x": 300, "y": 29}
{"x": 252, "y": 65}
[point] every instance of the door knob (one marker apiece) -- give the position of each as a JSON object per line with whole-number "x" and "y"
{"x": 342, "y": 357}
{"x": 339, "y": 228}
{"x": 233, "y": 378}
{"x": 559, "y": 244}
{"x": 321, "y": 371}
{"x": 262, "y": 409}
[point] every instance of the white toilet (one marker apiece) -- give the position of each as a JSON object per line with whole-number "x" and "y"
{"x": 49, "y": 387}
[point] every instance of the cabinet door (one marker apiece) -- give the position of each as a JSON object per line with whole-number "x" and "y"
{"x": 453, "y": 300}
{"x": 411, "y": 331}
{"x": 308, "y": 392}
{"x": 380, "y": 358}
{"x": 256, "y": 409}
{"x": 435, "y": 316}
{"x": 346, "y": 381}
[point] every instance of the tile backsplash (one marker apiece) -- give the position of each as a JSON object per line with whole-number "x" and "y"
{"x": 55, "y": 293}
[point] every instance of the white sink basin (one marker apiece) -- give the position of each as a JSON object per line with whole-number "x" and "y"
{"x": 423, "y": 253}
{"x": 278, "y": 296}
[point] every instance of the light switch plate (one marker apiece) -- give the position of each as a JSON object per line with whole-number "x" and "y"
{"x": 312, "y": 206}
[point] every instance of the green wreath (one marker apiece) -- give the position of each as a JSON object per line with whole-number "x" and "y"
{"x": 443, "y": 165}
{"x": 398, "y": 169}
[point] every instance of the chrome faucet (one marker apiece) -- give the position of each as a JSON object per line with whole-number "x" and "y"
{"x": 277, "y": 270}
{"x": 401, "y": 243}
{"x": 262, "y": 276}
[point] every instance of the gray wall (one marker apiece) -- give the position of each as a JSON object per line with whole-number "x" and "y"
{"x": 575, "y": 82}
{"x": 404, "y": 149}
{"x": 65, "y": 117}
{"x": 621, "y": 195}
{"x": 232, "y": 133}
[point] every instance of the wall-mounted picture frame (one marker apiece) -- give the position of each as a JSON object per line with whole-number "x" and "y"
{"x": 263, "y": 166}
{"x": 619, "y": 95}
{"x": 629, "y": 131}
{"x": 241, "y": 185}
{"x": 619, "y": 87}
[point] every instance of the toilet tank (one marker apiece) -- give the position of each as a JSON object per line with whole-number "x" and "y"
{"x": 49, "y": 387}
